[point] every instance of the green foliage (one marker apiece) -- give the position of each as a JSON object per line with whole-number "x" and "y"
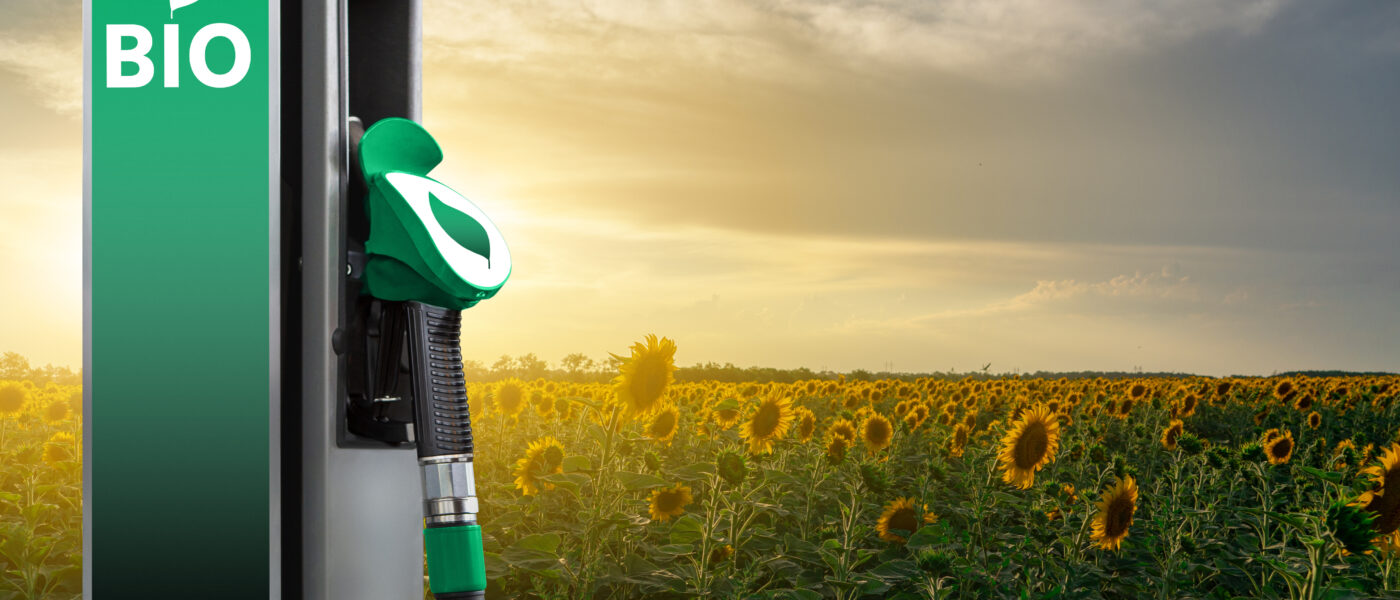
{"x": 1213, "y": 520}
{"x": 41, "y": 539}
{"x": 1351, "y": 526}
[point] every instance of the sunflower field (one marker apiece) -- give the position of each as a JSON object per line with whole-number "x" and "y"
{"x": 41, "y": 484}
{"x": 938, "y": 488}
{"x": 935, "y": 487}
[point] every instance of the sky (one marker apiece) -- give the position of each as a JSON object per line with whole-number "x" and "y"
{"x": 911, "y": 185}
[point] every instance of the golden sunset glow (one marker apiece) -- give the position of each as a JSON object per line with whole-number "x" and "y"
{"x": 905, "y": 186}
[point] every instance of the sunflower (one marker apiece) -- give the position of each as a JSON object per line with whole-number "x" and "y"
{"x": 876, "y": 432}
{"x": 1284, "y": 389}
{"x": 1345, "y": 453}
{"x": 12, "y": 398}
{"x": 1303, "y": 403}
{"x": 1137, "y": 391}
{"x": 543, "y": 457}
{"x": 1115, "y": 514}
{"x": 1279, "y": 448}
{"x": 947, "y": 417}
{"x": 1389, "y": 544}
{"x": 670, "y": 502}
{"x": 564, "y": 408}
{"x": 642, "y": 378}
{"x": 836, "y": 447}
{"x": 59, "y": 448}
{"x": 851, "y": 401}
{"x": 1223, "y": 388}
{"x": 663, "y": 425}
{"x": 768, "y": 423}
{"x": 732, "y": 467}
{"x": 911, "y": 421}
{"x": 901, "y": 409}
{"x": 720, "y": 554}
{"x": 1314, "y": 420}
{"x": 703, "y": 423}
{"x": 1352, "y": 526}
{"x": 918, "y": 414}
{"x": 1125, "y": 408}
{"x": 727, "y": 417}
{"x": 1383, "y": 499}
{"x": 510, "y": 397}
{"x": 842, "y": 428}
{"x": 1028, "y": 446}
{"x": 544, "y": 405}
{"x": 1260, "y": 416}
{"x": 958, "y": 441}
{"x": 1066, "y": 419}
{"x": 1170, "y": 434}
{"x": 902, "y": 516}
{"x": 1068, "y": 491}
{"x": 56, "y": 412}
{"x": 1187, "y": 407}
{"x": 806, "y": 423}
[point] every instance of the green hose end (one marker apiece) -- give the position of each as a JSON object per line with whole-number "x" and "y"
{"x": 455, "y": 561}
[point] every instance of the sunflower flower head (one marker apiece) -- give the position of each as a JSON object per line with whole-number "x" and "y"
{"x": 643, "y": 377}
{"x": 732, "y": 467}
{"x": 1115, "y": 514}
{"x": 664, "y": 424}
{"x": 13, "y": 397}
{"x": 1383, "y": 499}
{"x": 1352, "y": 526}
{"x": 958, "y": 441}
{"x": 510, "y": 397}
{"x": 836, "y": 448}
{"x": 806, "y": 423}
{"x": 1028, "y": 446}
{"x": 670, "y": 502}
{"x": 543, "y": 457}
{"x": 769, "y": 422}
{"x": 720, "y": 554}
{"x": 59, "y": 448}
{"x": 877, "y": 432}
{"x": 56, "y": 412}
{"x": 1279, "y": 448}
{"x": 842, "y": 428}
{"x": 900, "y": 518}
{"x": 726, "y": 414}
{"x": 1284, "y": 389}
{"x": 1171, "y": 433}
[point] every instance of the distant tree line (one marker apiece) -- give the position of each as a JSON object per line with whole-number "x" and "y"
{"x": 578, "y": 367}
{"x": 15, "y": 367}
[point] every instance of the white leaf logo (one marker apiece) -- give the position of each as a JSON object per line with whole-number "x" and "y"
{"x": 176, "y": 4}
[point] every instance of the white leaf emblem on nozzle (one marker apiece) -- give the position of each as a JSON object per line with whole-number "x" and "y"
{"x": 177, "y": 4}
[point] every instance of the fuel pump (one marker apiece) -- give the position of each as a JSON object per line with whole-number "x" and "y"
{"x": 377, "y": 470}
{"x": 430, "y": 254}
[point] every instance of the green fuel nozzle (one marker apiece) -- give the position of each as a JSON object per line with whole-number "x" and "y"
{"x": 430, "y": 254}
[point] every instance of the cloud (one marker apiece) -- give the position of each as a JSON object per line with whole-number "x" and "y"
{"x": 1154, "y": 294}
{"x": 981, "y": 38}
{"x": 1009, "y": 37}
{"x": 51, "y": 69}
{"x": 41, "y": 44}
